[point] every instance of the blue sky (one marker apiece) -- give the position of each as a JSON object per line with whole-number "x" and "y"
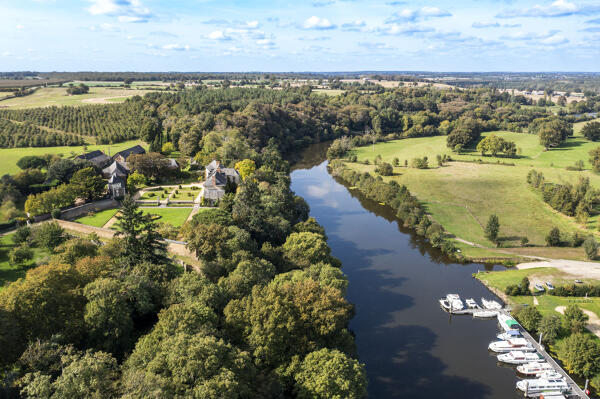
{"x": 312, "y": 35}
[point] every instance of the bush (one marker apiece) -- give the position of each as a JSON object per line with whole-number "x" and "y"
{"x": 419, "y": 163}
{"x": 520, "y": 289}
{"x": 529, "y": 318}
{"x": 21, "y": 235}
{"x": 553, "y": 238}
{"x": 56, "y": 213}
{"x": 49, "y": 235}
{"x": 385, "y": 169}
{"x": 20, "y": 254}
{"x": 590, "y": 246}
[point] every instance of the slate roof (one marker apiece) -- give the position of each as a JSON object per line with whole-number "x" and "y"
{"x": 215, "y": 178}
{"x": 116, "y": 168}
{"x": 135, "y": 150}
{"x": 90, "y": 155}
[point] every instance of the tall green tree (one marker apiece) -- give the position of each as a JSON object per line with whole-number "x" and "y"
{"x": 492, "y": 228}
{"x": 143, "y": 243}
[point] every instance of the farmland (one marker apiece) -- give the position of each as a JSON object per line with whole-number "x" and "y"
{"x": 48, "y": 96}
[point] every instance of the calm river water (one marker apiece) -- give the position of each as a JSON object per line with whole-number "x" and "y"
{"x": 411, "y": 348}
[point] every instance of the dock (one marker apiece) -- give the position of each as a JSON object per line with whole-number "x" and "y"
{"x": 576, "y": 391}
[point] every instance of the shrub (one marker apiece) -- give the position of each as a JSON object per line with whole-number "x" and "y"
{"x": 590, "y": 246}
{"x": 553, "y": 238}
{"x": 21, "y": 235}
{"x": 385, "y": 169}
{"x": 20, "y": 254}
{"x": 56, "y": 213}
{"x": 524, "y": 241}
{"x": 520, "y": 289}
{"x": 49, "y": 235}
{"x": 419, "y": 163}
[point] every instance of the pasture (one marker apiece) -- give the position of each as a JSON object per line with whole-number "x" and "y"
{"x": 461, "y": 195}
{"x": 49, "y": 96}
{"x": 10, "y": 156}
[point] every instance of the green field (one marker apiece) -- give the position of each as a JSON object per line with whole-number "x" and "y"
{"x": 174, "y": 216}
{"x": 546, "y": 303}
{"x": 10, "y": 273}
{"x": 48, "y": 96}
{"x": 98, "y": 219}
{"x": 462, "y": 195}
{"x": 10, "y": 156}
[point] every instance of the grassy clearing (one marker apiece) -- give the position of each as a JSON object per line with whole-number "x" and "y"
{"x": 98, "y": 219}
{"x": 185, "y": 195}
{"x": 174, "y": 216}
{"x": 10, "y": 273}
{"x": 10, "y": 156}
{"x": 329, "y": 92}
{"x": 48, "y": 96}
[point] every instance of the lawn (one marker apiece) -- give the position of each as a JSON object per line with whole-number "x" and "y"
{"x": 10, "y": 273}
{"x": 462, "y": 195}
{"x": 174, "y": 216}
{"x": 98, "y": 219}
{"x": 48, "y": 96}
{"x": 10, "y": 156}
{"x": 153, "y": 195}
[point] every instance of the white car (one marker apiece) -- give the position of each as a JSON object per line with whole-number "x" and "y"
{"x": 549, "y": 285}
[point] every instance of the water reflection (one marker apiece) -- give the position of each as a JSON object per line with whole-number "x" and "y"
{"x": 411, "y": 348}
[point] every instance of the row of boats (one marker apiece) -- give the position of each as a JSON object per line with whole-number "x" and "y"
{"x": 512, "y": 348}
{"x": 453, "y": 304}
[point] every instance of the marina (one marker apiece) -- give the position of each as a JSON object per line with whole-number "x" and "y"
{"x": 543, "y": 376}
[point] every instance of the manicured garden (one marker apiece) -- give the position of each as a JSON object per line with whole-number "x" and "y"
{"x": 174, "y": 216}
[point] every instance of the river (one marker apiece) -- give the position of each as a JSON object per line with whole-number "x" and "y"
{"x": 411, "y": 348}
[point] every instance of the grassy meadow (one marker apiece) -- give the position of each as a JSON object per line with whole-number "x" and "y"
{"x": 462, "y": 194}
{"x": 49, "y": 96}
{"x": 10, "y": 156}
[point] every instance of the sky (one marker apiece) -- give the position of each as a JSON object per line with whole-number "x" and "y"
{"x": 296, "y": 36}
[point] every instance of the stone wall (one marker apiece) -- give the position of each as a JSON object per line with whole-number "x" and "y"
{"x": 74, "y": 213}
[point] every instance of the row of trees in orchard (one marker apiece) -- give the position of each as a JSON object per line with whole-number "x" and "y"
{"x": 108, "y": 123}
{"x": 26, "y": 134}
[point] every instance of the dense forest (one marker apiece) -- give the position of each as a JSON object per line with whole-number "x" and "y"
{"x": 294, "y": 116}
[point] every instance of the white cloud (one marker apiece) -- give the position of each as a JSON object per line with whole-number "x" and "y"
{"x": 403, "y": 30}
{"x": 423, "y": 13}
{"x": 559, "y": 8}
{"x": 252, "y": 25}
{"x": 354, "y": 26}
{"x": 483, "y": 25}
{"x": 6, "y": 54}
{"x": 19, "y": 27}
{"x": 218, "y": 35}
{"x": 176, "y": 47}
{"x": 267, "y": 44}
{"x": 315, "y": 22}
{"x": 124, "y": 10}
{"x": 527, "y": 36}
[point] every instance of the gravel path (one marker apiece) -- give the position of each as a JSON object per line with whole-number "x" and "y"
{"x": 576, "y": 268}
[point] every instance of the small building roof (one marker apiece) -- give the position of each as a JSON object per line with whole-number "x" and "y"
{"x": 215, "y": 178}
{"x": 90, "y": 155}
{"x": 116, "y": 168}
{"x": 135, "y": 150}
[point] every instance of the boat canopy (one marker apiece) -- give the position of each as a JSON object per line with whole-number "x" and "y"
{"x": 512, "y": 323}
{"x": 513, "y": 333}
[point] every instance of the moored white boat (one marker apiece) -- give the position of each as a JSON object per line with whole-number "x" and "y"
{"x": 535, "y": 368}
{"x": 507, "y": 322}
{"x": 513, "y": 344}
{"x": 452, "y": 302}
{"x": 485, "y": 314}
{"x": 520, "y": 357}
{"x": 542, "y": 385}
{"x": 472, "y": 304}
{"x": 490, "y": 304}
{"x": 509, "y": 334}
